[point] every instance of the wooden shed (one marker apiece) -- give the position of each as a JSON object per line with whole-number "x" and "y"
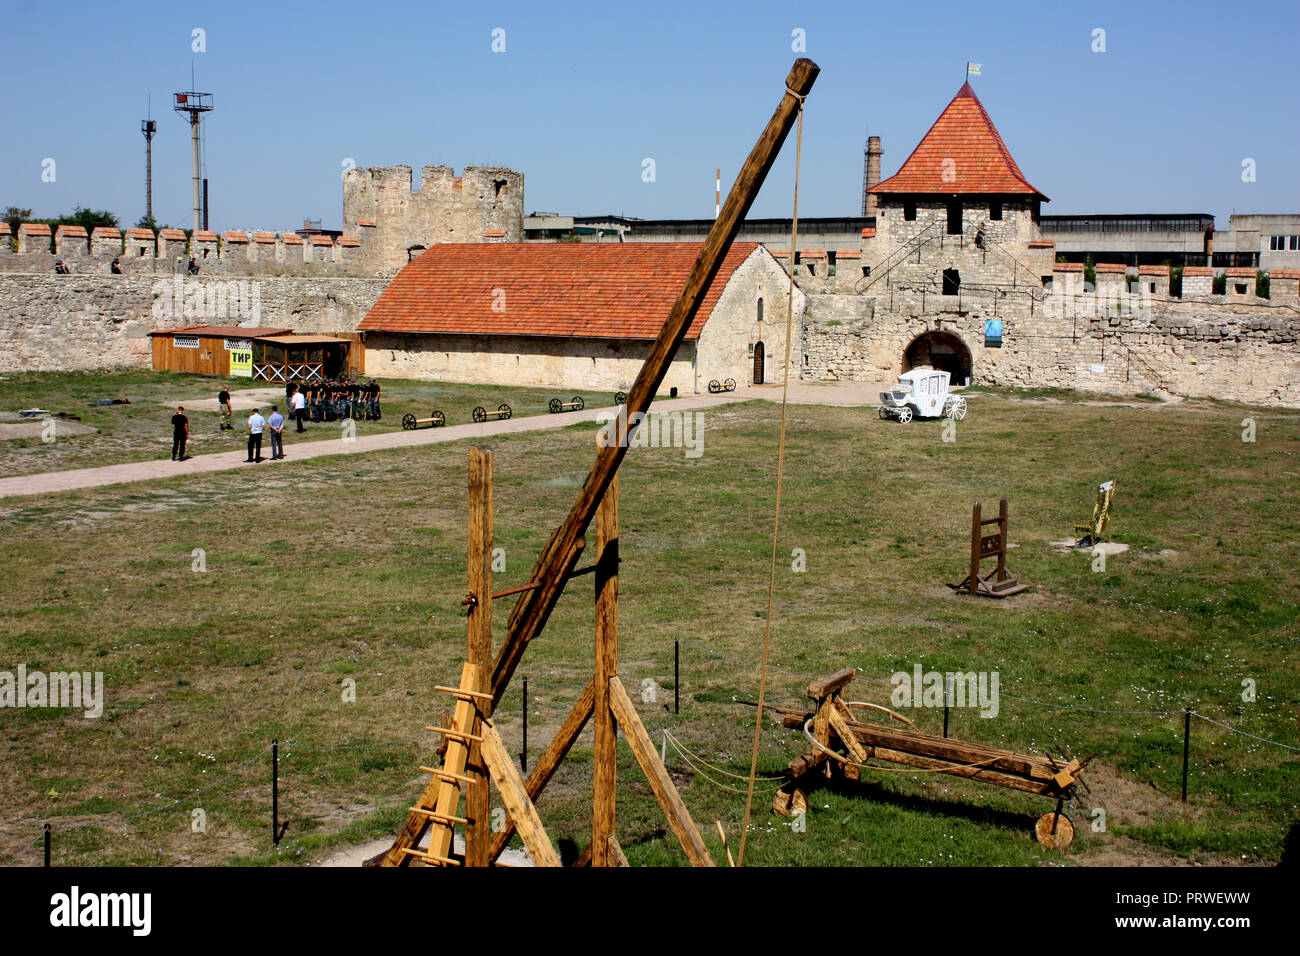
{"x": 304, "y": 358}
{"x": 225, "y": 350}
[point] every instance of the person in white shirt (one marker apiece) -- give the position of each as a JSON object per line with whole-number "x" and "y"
{"x": 299, "y": 407}
{"x": 255, "y": 425}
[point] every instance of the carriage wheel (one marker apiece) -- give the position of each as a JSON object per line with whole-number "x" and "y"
{"x": 554, "y": 406}
{"x": 408, "y": 422}
{"x": 958, "y": 408}
{"x": 884, "y": 412}
{"x": 729, "y": 385}
{"x": 1063, "y": 836}
{"x": 439, "y": 419}
{"x": 578, "y": 403}
{"x": 480, "y": 414}
{"x": 504, "y": 410}
{"x": 620, "y": 398}
{"x": 905, "y": 414}
{"x": 714, "y": 386}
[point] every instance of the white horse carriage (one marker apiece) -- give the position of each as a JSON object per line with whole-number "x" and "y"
{"x": 922, "y": 392}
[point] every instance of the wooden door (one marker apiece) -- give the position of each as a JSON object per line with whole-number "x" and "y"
{"x": 758, "y": 362}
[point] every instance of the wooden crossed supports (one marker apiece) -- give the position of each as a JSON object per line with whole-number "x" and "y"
{"x": 604, "y": 698}
{"x": 475, "y": 755}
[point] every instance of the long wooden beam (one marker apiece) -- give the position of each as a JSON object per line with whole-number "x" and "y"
{"x": 679, "y": 818}
{"x": 517, "y": 802}
{"x": 557, "y": 559}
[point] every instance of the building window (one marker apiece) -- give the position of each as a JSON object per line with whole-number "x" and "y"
{"x": 909, "y": 211}
{"x": 995, "y": 211}
{"x": 185, "y": 341}
{"x": 239, "y": 345}
{"x": 1047, "y": 282}
{"x": 866, "y": 271}
{"x": 951, "y": 282}
{"x": 760, "y": 310}
{"x": 1295, "y": 243}
{"x": 1276, "y": 243}
{"x": 1240, "y": 287}
{"x": 954, "y": 218}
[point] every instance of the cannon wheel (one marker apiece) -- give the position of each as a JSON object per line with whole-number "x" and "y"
{"x": 439, "y": 419}
{"x": 957, "y": 408}
{"x": 408, "y": 421}
{"x": 714, "y": 386}
{"x": 620, "y": 398}
{"x": 578, "y": 403}
{"x": 504, "y": 410}
{"x": 555, "y": 406}
{"x": 729, "y": 385}
{"x": 1063, "y": 836}
{"x": 905, "y": 414}
{"x": 480, "y": 414}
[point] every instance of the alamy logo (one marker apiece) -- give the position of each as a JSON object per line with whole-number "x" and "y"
{"x": 935, "y": 689}
{"x": 667, "y": 430}
{"x": 74, "y": 690}
{"x": 74, "y": 908}
{"x": 178, "y": 298}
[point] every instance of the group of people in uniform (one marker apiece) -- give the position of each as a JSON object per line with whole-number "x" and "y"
{"x": 336, "y": 399}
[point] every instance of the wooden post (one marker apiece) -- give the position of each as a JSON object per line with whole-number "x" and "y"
{"x": 976, "y": 534}
{"x": 1002, "y": 535}
{"x": 477, "y": 796}
{"x": 605, "y": 755}
{"x": 559, "y": 555}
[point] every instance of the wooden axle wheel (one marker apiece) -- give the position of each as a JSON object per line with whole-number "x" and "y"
{"x": 715, "y": 386}
{"x": 1063, "y": 836}
{"x": 620, "y": 398}
{"x": 555, "y": 406}
{"x": 503, "y": 410}
{"x": 578, "y": 403}
{"x": 479, "y": 414}
{"x": 729, "y": 385}
{"x": 439, "y": 419}
{"x": 408, "y": 422}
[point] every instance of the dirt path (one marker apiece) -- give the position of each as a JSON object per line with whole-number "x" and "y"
{"x": 52, "y": 482}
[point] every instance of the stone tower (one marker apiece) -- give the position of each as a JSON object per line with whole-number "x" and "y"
{"x": 395, "y": 223}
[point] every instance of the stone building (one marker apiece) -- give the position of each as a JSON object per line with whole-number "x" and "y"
{"x": 395, "y": 223}
{"x": 577, "y": 316}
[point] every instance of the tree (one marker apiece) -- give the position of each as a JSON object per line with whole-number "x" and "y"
{"x": 15, "y": 217}
{"x": 89, "y": 219}
{"x": 148, "y": 222}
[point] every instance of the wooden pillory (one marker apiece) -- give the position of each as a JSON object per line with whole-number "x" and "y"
{"x": 473, "y": 753}
{"x": 842, "y": 743}
{"x": 1001, "y": 583}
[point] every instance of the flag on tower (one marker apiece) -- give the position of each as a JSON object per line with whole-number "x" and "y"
{"x": 972, "y": 69}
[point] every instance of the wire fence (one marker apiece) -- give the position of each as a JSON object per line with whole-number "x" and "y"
{"x": 550, "y": 699}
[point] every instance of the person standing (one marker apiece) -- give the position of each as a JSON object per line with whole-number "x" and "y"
{"x": 223, "y": 401}
{"x": 180, "y": 433}
{"x": 298, "y": 408}
{"x": 255, "y": 425}
{"x": 276, "y": 424}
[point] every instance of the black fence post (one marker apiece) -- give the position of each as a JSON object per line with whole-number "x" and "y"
{"x": 677, "y": 678}
{"x": 523, "y": 755}
{"x": 47, "y": 844}
{"x": 277, "y": 831}
{"x": 947, "y": 698}
{"x": 1187, "y": 745}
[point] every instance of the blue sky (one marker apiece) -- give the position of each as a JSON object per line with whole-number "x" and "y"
{"x": 1159, "y": 122}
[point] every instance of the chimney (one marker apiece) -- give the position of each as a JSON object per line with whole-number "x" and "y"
{"x": 871, "y": 175}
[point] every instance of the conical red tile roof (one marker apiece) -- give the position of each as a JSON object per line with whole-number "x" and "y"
{"x": 962, "y": 153}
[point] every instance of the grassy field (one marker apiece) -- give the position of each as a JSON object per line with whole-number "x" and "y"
{"x": 353, "y": 568}
{"x": 142, "y": 429}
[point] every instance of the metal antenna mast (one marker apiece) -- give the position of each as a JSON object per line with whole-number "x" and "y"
{"x": 195, "y": 105}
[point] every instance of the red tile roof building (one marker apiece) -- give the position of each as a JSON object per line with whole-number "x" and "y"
{"x": 575, "y": 315}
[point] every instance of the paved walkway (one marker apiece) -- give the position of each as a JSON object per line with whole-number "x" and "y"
{"x": 853, "y": 394}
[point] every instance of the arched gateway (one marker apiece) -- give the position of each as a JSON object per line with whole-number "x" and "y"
{"x": 941, "y": 350}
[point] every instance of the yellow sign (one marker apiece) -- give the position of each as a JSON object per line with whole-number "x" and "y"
{"x": 241, "y": 363}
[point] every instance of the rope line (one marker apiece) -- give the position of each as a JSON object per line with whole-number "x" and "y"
{"x": 780, "y": 473}
{"x": 1275, "y": 743}
{"x": 682, "y": 749}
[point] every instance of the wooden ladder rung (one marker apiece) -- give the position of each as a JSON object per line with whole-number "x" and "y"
{"x": 430, "y": 859}
{"x": 456, "y": 734}
{"x": 447, "y": 774}
{"x": 443, "y": 818}
{"x": 462, "y": 692}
